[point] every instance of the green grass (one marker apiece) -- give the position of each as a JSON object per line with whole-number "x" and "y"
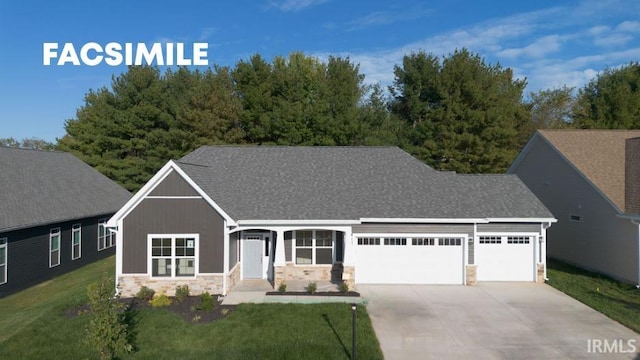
{"x": 619, "y": 301}
{"x": 39, "y": 328}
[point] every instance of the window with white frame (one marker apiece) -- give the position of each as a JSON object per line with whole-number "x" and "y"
{"x": 423, "y": 241}
{"x": 54, "y": 247}
{"x": 314, "y": 247}
{"x": 446, "y": 241}
{"x": 173, "y": 255}
{"x": 76, "y": 241}
{"x": 490, "y": 240}
{"x": 368, "y": 241}
{"x": 3, "y": 260}
{"x": 106, "y": 238}
{"x": 518, "y": 239}
{"x": 395, "y": 241}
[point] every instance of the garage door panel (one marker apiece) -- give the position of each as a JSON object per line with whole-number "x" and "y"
{"x": 505, "y": 258}
{"x": 409, "y": 264}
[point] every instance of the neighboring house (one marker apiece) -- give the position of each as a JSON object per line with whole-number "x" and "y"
{"x": 590, "y": 180}
{"x": 53, "y": 208}
{"x": 222, "y": 214}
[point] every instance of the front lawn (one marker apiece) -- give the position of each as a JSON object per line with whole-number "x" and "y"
{"x": 39, "y": 329}
{"x": 619, "y": 301}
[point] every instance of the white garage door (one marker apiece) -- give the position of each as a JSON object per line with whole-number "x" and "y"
{"x": 409, "y": 260}
{"x": 505, "y": 258}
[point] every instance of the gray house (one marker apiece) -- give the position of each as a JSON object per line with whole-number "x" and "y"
{"x": 590, "y": 180}
{"x": 53, "y": 210}
{"x": 223, "y": 214}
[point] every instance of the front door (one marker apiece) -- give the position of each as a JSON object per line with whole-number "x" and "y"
{"x": 252, "y": 257}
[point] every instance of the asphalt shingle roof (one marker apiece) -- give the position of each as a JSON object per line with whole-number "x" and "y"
{"x": 296, "y": 183}
{"x": 598, "y": 154}
{"x": 43, "y": 187}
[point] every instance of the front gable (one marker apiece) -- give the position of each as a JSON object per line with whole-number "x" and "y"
{"x": 173, "y": 185}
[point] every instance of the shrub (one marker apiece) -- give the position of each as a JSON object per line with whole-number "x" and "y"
{"x": 344, "y": 287}
{"x": 312, "y": 287}
{"x": 160, "y": 301}
{"x": 145, "y": 294}
{"x": 224, "y": 312}
{"x": 182, "y": 291}
{"x": 196, "y": 319}
{"x": 108, "y": 329}
{"x": 206, "y": 302}
{"x": 283, "y": 287}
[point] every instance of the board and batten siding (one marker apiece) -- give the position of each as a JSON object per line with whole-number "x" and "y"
{"x": 173, "y": 216}
{"x": 413, "y": 229}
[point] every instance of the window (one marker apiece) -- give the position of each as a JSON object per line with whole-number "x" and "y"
{"x": 449, "y": 241}
{"x": 490, "y": 240}
{"x": 314, "y": 247}
{"x": 169, "y": 250}
{"x": 368, "y": 241}
{"x": 423, "y": 241}
{"x": 518, "y": 240}
{"x": 395, "y": 241}
{"x": 106, "y": 238}
{"x": 54, "y": 247}
{"x": 76, "y": 239}
{"x": 3, "y": 260}
{"x": 576, "y": 218}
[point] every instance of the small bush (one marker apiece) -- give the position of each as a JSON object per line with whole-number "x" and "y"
{"x": 312, "y": 287}
{"x": 196, "y": 319}
{"x": 224, "y": 312}
{"x": 161, "y": 300}
{"x": 206, "y": 302}
{"x": 282, "y": 288}
{"x": 145, "y": 294}
{"x": 344, "y": 287}
{"x": 182, "y": 291}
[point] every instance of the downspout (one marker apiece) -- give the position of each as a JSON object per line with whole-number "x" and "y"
{"x": 637, "y": 222}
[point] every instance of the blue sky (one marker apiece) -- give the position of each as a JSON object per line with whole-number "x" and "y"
{"x": 551, "y": 43}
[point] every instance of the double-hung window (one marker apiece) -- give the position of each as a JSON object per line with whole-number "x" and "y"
{"x": 173, "y": 255}
{"x": 314, "y": 247}
{"x": 54, "y": 247}
{"x": 106, "y": 238}
{"x": 3, "y": 260}
{"x": 76, "y": 240}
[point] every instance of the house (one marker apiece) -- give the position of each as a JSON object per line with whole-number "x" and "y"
{"x": 590, "y": 180}
{"x": 223, "y": 214}
{"x": 53, "y": 210}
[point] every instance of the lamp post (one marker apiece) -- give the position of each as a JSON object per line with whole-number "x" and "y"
{"x": 354, "y": 307}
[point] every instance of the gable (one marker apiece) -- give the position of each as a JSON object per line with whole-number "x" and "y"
{"x": 173, "y": 185}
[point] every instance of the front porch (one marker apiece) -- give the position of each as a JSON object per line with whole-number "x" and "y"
{"x": 255, "y": 291}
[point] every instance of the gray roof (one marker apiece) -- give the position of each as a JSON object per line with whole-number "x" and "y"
{"x": 44, "y": 187}
{"x": 297, "y": 183}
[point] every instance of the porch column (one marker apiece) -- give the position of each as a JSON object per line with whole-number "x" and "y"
{"x": 349, "y": 259}
{"x": 280, "y": 258}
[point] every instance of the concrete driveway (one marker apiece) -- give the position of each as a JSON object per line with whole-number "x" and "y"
{"x": 492, "y": 321}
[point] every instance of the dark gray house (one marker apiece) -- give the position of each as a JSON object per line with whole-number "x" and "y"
{"x": 53, "y": 210}
{"x": 223, "y": 214}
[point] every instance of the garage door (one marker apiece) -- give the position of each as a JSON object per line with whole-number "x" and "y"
{"x": 409, "y": 260}
{"x": 505, "y": 258}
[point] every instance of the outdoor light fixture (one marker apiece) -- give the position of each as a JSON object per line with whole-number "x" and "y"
{"x": 354, "y": 307}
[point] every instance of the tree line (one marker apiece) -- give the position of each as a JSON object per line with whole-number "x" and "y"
{"x": 455, "y": 112}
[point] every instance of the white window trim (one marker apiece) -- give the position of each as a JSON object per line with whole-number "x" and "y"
{"x": 4, "y": 243}
{"x": 173, "y": 256}
{"x": 76, "y": 228}
{"x": 53, "y": 232}
{"x": 108, "y": 237}
{"x": 313, "y": 247}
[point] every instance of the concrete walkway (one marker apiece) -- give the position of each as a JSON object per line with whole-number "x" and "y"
{"x": 492, "y": 321}
{"x": 254, "y": 291}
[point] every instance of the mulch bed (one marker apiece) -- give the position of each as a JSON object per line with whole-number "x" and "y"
{"x": 186, "y": 308}
{"x": 317, "y": 293}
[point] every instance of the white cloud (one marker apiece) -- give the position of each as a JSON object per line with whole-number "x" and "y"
{"x": 539, "y": 48}
{"x": 612, "y": 40}
{"x": 206, "y": 33}
{"x": 377, "y": 18}
{"x": 294, "y": 5}
{"x": 629, "y": 26}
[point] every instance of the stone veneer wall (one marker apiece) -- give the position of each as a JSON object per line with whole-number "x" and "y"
{"x": 472, "y": 275}
{"x": 540, "y": 273}
{"x": 234, "y": 277}
{"x": 129, "y": 285}
{"x": 336, "y": 272}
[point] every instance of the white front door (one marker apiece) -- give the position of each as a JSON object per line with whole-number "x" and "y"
{"x": 252, "y": 267}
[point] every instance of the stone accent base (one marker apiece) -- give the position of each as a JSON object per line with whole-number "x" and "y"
{"x": 233, "y": 277}
{"x": 472, "y": 277}
{"x": 540, "y": 273}
{"x": 129, "y": 285}
{"x": 335, "y": 273}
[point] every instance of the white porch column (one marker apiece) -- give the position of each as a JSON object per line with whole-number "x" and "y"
{"x": 280, "y": 258}
{"x": 349, "y": 256}
{"x": 543, "y": 248}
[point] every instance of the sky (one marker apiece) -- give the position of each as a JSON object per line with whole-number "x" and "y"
{"x": 550, "y": 43}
